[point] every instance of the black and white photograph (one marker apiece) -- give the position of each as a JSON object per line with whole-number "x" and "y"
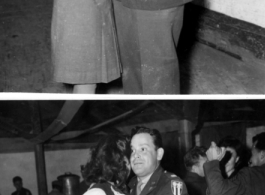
{"x": 76, "y": 147}
{"x": 132, "y": 97}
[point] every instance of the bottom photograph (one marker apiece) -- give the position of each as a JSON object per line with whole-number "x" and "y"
{"x": 132, "y": 147}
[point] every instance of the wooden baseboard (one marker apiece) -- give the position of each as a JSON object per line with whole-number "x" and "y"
{"x": 229, "y": 35}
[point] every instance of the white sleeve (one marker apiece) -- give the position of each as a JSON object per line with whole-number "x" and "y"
{"x": 94, "y": 191}
{"x": 115, "y": 192}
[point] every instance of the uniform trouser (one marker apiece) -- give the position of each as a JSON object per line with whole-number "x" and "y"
{"x": 147, "y": 41}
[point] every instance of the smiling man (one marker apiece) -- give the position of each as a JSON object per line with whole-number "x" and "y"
{"x": 151, "y": 179}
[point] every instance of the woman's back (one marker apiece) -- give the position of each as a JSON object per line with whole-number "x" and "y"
{"x": 103, "y": 189}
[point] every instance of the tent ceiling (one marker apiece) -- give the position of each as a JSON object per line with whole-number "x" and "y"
{"x": 29, "y": 118}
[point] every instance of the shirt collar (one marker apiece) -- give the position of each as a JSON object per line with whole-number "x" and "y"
{"x": 146, "y": 179}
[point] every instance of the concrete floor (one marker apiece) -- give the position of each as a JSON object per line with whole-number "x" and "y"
{"x": 25, "y": 46}
{"x": 26, "y": 66}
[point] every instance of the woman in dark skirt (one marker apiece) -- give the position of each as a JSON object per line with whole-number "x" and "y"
{"x": 109, "y": 168}
{"x": 84, "y": 48}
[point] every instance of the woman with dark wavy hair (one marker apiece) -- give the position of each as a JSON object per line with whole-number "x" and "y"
{"x": 109, "y": 168}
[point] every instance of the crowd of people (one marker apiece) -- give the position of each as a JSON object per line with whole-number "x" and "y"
{"x": 122, "y": 165}
{"x": 223, "y": 170}
{"x": 220, "y": 170}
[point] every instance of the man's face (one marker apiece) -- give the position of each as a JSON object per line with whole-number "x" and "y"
{"x": 230, "y": 165}
{"x": 18, "y": 185}
{"x": 255, "y": 159}
{"x": 144, "y": 158}
{"x": 198, "y": 168}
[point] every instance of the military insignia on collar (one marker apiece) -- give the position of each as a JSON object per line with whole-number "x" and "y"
{"x": 176, "y": 187}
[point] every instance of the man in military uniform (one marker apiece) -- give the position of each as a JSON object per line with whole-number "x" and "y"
{"x": 248, "y": 181}
{"x": 148, "y": 33}
{"x": 151, "y": 179}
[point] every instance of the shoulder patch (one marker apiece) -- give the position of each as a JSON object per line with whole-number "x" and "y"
{"x": 176, "y": 187}
{"x": 171, "y": 175}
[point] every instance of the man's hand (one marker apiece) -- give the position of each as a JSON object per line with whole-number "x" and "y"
{"x": 215, "y": 153}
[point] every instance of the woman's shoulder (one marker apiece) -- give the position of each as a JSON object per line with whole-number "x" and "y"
{"x": 103, "y": 189}
{"x": 116, "y": 192}
{"x": 95, "y": 191}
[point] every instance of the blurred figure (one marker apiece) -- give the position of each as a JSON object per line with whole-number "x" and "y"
{"x": 151, "y": 179}
{"x": 258, "y": 151}
{"x": 248, "y": 181}
{"x": 109, "y": 168}
{"x": 56, "y": 188}
{"x": 194, "y": 178}
{"x": 20, "y": 190}
{"x": 233, "y": 160}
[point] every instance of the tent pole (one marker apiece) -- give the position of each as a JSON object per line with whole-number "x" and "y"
{"x": 40, "y": 168}
{"x": 40, "y": 153}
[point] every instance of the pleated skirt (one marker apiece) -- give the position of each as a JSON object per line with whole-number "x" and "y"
{"x": 84, "y": 42}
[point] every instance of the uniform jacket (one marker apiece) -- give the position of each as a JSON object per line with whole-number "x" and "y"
{"x": 153, "y": 4}
{"x": 160, "y": 183}
{"x": 196, "y": 184}
{"x": 248, "y": 181}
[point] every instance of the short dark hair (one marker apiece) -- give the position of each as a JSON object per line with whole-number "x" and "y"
{"x": 232, "y": 142}
{"x": 17, "y": 178}
{"x": 154, "y": 133}
{"x": 193, "y": 155}
{"x": 107, "y": 162}
{"x": 260, "y": 139}
{"x": 236, "y": 144}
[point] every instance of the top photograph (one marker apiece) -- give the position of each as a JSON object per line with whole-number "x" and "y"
{"x": 141, "y": 47}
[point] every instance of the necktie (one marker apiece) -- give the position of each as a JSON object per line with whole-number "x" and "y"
{"x": 138, "y": 187}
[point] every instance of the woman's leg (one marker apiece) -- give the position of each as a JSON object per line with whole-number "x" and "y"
{"x": 85, "y": 89}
